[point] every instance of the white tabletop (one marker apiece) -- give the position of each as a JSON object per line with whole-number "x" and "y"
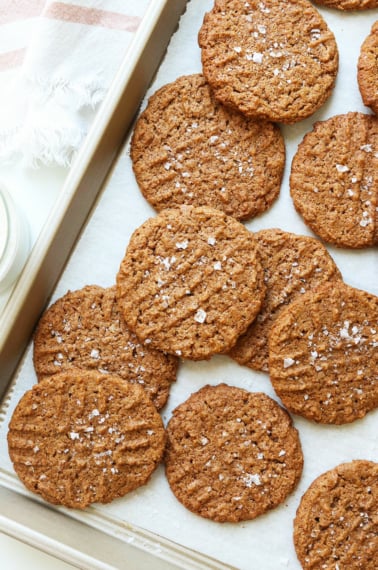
{"x": 18, "y": 556}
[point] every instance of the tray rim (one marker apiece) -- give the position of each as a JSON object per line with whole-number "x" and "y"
{"x": 100, "y": 549}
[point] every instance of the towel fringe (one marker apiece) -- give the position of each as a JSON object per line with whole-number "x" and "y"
{"x": 73, "y": 95}
{"x": 64, "y": 107}
{"x": 46, "y": 146}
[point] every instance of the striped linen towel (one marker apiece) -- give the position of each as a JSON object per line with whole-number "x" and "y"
{"x": 57, "y": 60}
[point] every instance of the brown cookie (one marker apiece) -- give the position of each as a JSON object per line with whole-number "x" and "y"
{"x": 323, "y": 355}
{"x": 189, "y": 149}
{"x": 293, "y": 264}
{"x": 80, "y": 437}
{"x": 231, "y": 455}
{"x": 336, "y": 524}
{"x": 275, "y": 60}
{"x": 348, "y": 4}
{"x": 367, "y": 69}
{"x": 333, "y": 180}
{"x": 190, "y": 282}
{"x": 85, "y": 329}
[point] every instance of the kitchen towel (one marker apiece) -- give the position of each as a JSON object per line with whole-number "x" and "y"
{"x": 57, "y": 61}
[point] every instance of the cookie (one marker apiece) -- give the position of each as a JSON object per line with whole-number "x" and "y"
{"x": 367, "y": 69}
{"x": 231, "y": 455}
{"x": 336, "y": 524}
{"x": 85, "y": 329}
{"x": 275, "y": 60}
{"x": 293, "y": 264}
{"x": 348, "y": 4}
{"x": 189, "y": 149}
{"x": 80, "y": 437}
{"x": 190, "y": 282}
{"x": 333, "y": 180}
{"x": 323, "y": 356}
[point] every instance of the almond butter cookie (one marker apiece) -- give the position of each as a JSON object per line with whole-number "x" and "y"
{"x": 85, "y": 329}
{"x": 348, "y": 4}
{"x": 272, "y": 59}
{"x": 333, "y": 180}
{"x": 189, "y": 149}
{"x": 336, "y": 524}
{"x": 323, "y": 354}
{"x": 190, "y": 282}
{"x": 293, "y": 264}
{"x": 367, "y": 69}
{"x": 231, "y": 455}
{"x": 80, "y": 437}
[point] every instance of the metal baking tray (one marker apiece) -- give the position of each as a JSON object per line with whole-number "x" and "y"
{"x": 83, "y": 243}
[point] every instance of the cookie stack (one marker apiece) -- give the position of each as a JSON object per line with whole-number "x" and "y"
{"x": 194, "y": 282}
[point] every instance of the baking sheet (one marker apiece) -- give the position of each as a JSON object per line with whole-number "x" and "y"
{"x": 266, "y": 542}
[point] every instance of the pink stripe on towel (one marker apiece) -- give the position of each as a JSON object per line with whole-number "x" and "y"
{"x": 91, "y": 16}
{"x": 11, "y": 59}
{"x": 13, "y": 10}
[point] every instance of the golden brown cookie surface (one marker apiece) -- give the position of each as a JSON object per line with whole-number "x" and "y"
{"x": 336, "y": 524}
{"x": 85, "y": 329}
{"x": 79, "y": 438}
{"x": 275, "y": 60}
{"x": 333, "y": 180}
{"x": 323, "y": 354}
{"x": 292, "y": 264}
{"x": 367, "y": 69}
{"x": 190, "y": 282}
{"x": 231, "y": 454}
{"x": 189, "y": 149}
{"x": 348, "y": 4}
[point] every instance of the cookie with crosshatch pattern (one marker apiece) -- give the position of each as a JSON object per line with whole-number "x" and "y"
{"x": 333, "y": 180}
{"x": 271, "y": 59}
{"x": 323, "y": 354}
{"x": 85, "y": 329}
{"x": 190, "y": 281}
{"x": 231, "y": 454}
{"x": 293, "y": 264}
{"x": 367, "y": 69}
{"x": 80, "y": 437}
{"x": 336, "y": 522}
{"x": 187, "y": 148}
